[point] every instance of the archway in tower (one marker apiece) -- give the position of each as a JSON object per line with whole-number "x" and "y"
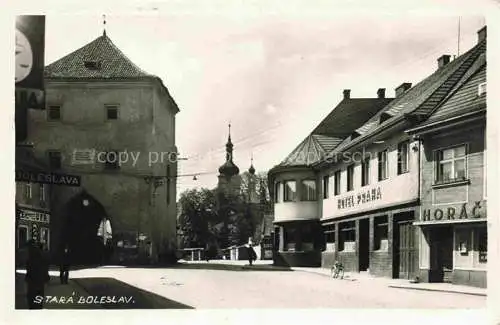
{"x": 86, "y": 232}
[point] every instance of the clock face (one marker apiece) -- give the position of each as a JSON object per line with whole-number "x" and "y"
{"x": 24, "y": 56}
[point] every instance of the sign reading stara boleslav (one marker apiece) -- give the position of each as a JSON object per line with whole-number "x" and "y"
{"x": 29, "y": 61}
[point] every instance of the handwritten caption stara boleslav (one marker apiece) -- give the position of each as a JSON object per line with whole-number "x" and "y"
{"x": 85, "y": 300}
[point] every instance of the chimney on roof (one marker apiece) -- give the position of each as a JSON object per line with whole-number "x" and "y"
{"x": 347, "y": 93}
{"x": 481, "y": 34}
{"x": 381, "y": 93}
{"x": 443, "y": 60}
{"x": 401, "y": 89}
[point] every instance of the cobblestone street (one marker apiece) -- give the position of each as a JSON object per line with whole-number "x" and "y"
{"x": 213, "y": 285}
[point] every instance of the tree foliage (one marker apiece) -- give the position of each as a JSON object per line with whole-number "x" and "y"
{"x": 197, "y": 216}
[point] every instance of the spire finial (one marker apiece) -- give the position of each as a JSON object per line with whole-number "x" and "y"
{"x": 104, "y": 25}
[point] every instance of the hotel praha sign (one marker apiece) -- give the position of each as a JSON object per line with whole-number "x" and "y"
{"x": 34, "y": 216}
{"x": 465, "y": 211}
{"x": 364, "y": 197}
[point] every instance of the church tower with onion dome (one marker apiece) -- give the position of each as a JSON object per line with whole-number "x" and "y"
{"x": 229, "y": 178}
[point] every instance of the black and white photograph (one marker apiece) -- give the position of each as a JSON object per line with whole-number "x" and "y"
{"x": 259, "y": 158}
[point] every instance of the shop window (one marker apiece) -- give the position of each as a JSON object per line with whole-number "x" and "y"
{"x": 337, "y": 176}
{"x": 403, "y": 157}
{"x": 383, "y": 165}
{"x": 350, "y": 178}
{"x": 22, "y": 236}
{"x": 55, "y": 159}
{"x": 290, "y": 191}
{"x": 290, "y": 239}
{"x": 462, "y": 241}
{"x": 365, "y": 172}
{"x": 451, "y": 164}
{"x": 380, "y": 234}
{"x": 306, "y": 238}
{"x": 308, "y": 190}
{"x": 44, "y": 236}
{"x": 329, "y": 232}
{"x": 277, "y": 192}
{"x": 326, "y": 186}
{"x": 482, "y": 244}
{"x": 347, "y": 236}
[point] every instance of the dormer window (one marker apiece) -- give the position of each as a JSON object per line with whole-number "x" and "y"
{"x": 354, "y": 135}
{"x": 481, "y": 89}
{"x": 384, "y": 117}
{"x": 92, "y": 65}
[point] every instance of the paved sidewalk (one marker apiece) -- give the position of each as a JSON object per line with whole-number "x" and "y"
{"x": 56, "y": 293}
{"x": 401, "y": 283}
{"x": 363, "y": 276}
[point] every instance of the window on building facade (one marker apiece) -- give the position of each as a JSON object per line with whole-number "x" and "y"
{"x": 112, "y": 112}
{"x": 337, "y": 182}
{"x": 308, "y": 190}
{"x": 54, "y": 113}
{"x": 347, "y": 236}
{"x": 290, "y": 191}
{"x": 277, "y": 192}
{"x": 365, "y": 172}
{"x": 451, "y": 164}
{"x": 168, "y": 185}
{"x": 350, "y": 177}
{"x": 55, "y": 159}
{"x": 326, "y": 187}
{"x": 383, "y": 165}
{"x": 403, "y": 157}
{"x": 42, "y": 193}
{"x": 22, "y": 236}
{"x": 380, "y": 233}
{"x": 481, "y": 237}
{"x": 111, "y": 160}
{"x": 28, "y": 191}
{"x": 329, "y": 232}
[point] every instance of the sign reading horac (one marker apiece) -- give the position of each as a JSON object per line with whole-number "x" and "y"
{"x": 361, "y": 198}
{"x": 465, "y": 211}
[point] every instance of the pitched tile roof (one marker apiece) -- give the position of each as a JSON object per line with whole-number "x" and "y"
{"x": 100, "y": 60}
{"x": 339, "y": 124}
{"x": 109, "y": 61}
{"x": 465, "y": 99}
{"x": 421, "y": 99}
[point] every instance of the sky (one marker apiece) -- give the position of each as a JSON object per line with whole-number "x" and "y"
{"x": 273, "y": 77}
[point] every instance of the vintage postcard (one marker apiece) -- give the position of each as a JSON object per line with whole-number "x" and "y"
{"x": 251, "y": 159}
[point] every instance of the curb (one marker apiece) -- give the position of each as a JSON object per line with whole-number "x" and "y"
{"x": 440, "y": 290}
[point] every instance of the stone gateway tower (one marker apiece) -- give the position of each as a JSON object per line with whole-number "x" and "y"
{"x": 100, "y": 106}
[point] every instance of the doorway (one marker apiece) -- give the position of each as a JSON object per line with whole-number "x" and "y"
{"x": 441, "y": 254}
{"x": 364, "y": 244}
{"x": 405, "y": 251}
{"x": 80, "y": 232}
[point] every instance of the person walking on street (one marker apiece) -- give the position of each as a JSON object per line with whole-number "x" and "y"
{"x": 37, "y": 275}
{"x": 252, "y": 256}
{"x": 64, "y": 266}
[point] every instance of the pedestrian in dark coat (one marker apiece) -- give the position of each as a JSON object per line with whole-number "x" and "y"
{"x": 252, "y": 256}
{"x": 37, "y": 275}
{"x": 64, "y": 266}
